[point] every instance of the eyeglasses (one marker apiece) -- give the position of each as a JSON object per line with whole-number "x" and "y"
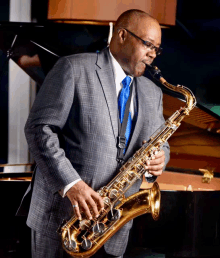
{"x": 148, "y": 44}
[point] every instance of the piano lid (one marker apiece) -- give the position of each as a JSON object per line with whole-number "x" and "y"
{"x": 36, "y": 48}
{"x": 196, "y": 143}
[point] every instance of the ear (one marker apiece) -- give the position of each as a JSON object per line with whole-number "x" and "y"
{"x": 122, "y": 34}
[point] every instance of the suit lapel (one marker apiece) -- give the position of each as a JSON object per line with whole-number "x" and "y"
{"x": 106, "y": 77}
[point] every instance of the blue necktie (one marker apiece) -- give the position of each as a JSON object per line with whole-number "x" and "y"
{"x": 122, "y": 100}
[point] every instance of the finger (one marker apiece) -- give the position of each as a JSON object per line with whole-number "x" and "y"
{"x": 146, "y": 161}
{"x": 86, "y": 209}
{"x": 156, "y": 173}
{"x": 76, "y": 210}
{"x": 155, "y": 168}
{"x": 98, "y": 199}
{"x": 156, "y": 162}
{"x": 94, "y": 209}
{"x": 159, "y": 154}
{"x": 145, "y": 166}
{"x": 153, "y": 172}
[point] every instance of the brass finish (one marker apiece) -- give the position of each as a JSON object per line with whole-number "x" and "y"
{"x": 16, "y": 179}
{"x": 98, "y": 23}
{"x": 207, "y": 175}
{"x": 84, "y": 22}
{"x": 85, "y": 238}
{"x": 15, "y": 165}
{"x": 147, "y": 201}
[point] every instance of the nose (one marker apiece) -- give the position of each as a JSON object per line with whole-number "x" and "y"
{"x": 152, "y": 53}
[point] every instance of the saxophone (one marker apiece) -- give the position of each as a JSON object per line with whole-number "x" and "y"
{"x": 85, "y": 237}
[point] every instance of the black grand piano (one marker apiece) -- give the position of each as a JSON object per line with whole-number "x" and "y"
{"x": 189, "y": 222}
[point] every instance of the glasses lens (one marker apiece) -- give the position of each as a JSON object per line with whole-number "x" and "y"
{"x": 149, "y": 45}
{"x": 158, "y": 51}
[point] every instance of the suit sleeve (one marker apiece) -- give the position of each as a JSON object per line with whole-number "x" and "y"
{"x": 47, "y": 118}
{"x": 166, "y": 146}
{"x": 159, "y": 120}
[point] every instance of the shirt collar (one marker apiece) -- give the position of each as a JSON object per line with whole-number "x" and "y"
{"x": 118, "y": 71}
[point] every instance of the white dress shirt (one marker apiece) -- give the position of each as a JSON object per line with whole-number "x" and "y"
{"x": 119, "y": 76}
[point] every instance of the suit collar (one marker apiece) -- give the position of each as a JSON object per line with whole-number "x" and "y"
{"x": 119, "y": 73}
{"x": 106, "y": 76}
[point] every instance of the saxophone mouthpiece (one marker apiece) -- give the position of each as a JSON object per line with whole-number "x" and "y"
{"x": 154, "y": 71}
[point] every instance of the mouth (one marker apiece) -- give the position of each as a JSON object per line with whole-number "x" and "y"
{"x": 147, "y": 64}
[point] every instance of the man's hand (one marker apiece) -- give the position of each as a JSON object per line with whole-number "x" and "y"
{"x": 84, "y": 198}
{"x": 156, "y": 164}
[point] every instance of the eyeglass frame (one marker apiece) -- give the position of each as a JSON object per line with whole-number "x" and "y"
{"x": 145, "y": 42}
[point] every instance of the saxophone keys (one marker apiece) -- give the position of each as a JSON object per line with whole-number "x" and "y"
{"x": 113, "y": 194}
{"x": 114, "y": 214}
{"x": 86, "y": 244}
{"x": 70, "y": 245}
{"x": 122, "y": 197}
{"x": 84, "y": 224}
{"x": 98, "y": 228}
{"x": 106, "y": 201}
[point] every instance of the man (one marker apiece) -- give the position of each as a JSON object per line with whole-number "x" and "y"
{"x": 73, "y": 127}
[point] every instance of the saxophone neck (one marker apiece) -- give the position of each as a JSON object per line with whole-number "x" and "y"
{"x": 186, "y": 92}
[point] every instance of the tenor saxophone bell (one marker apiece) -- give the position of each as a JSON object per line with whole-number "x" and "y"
{"x": 98, "y": 232}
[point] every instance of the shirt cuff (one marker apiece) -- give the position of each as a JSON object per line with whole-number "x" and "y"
{"x": 148, "y": 175}
{"x": 67, "y": 187}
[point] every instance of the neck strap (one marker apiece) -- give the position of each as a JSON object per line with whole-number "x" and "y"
{"x": 121, "y": 140}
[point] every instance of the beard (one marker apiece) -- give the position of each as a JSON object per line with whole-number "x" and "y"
{"x": 139, "y": 69}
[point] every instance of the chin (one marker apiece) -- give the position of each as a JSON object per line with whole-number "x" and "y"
{"x": 138, "y": 73}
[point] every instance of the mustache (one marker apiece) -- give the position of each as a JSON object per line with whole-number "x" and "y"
{"x": 148, "y": 64}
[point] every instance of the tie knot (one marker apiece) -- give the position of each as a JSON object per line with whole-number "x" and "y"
{"x": 126, "y": 81}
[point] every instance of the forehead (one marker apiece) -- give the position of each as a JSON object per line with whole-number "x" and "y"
{"x": 149, "y": 29}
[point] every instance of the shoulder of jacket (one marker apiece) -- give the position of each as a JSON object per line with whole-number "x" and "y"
{"x": 81, "y": 57}
{"x": 148, "y": 84}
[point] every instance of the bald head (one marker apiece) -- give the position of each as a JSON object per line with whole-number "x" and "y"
{"x": 128, "y": 18}
{"x": 130, "y": 51}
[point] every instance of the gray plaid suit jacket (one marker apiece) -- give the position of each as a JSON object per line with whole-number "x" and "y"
{"x": 72, "y": 130}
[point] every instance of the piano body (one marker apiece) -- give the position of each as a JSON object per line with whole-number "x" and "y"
{"x": 189, "y": 222}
